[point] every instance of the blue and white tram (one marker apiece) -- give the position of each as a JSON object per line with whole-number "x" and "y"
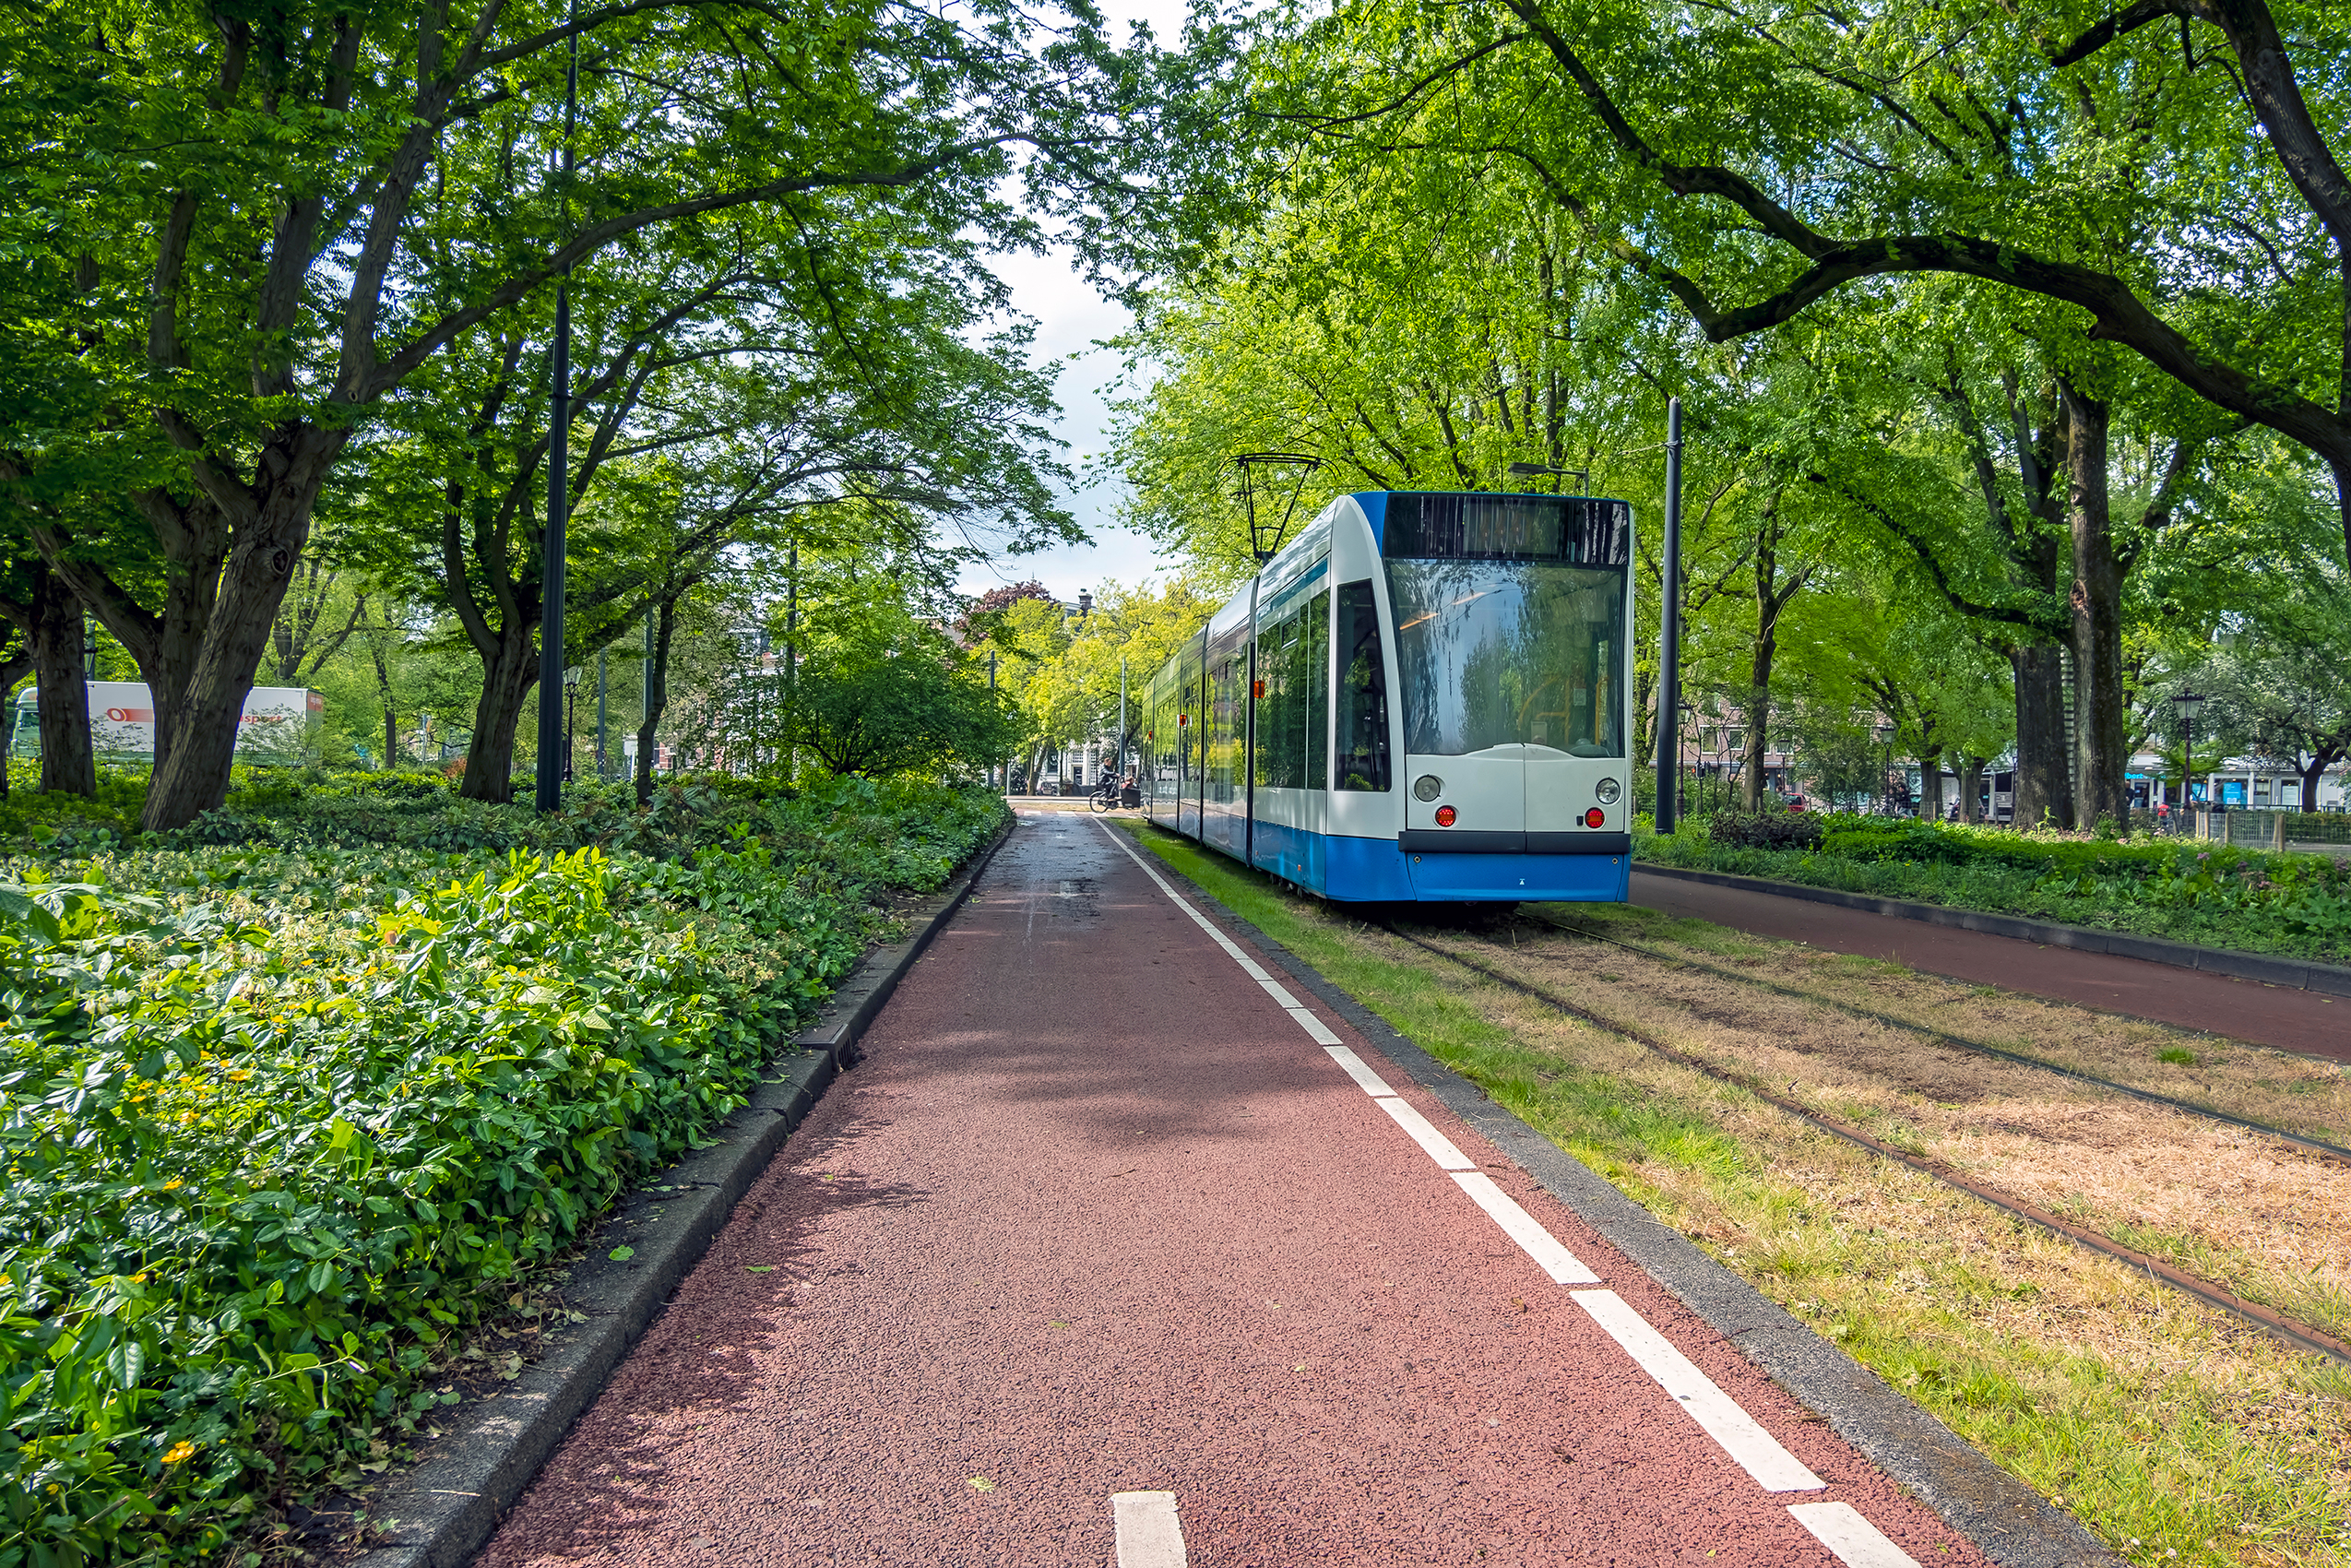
{"x": 1423, "y": 697}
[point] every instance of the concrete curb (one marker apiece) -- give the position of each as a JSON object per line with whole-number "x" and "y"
{"x": 443, "y": 1511}
{"x": 2012, "y": 1524}
{"x": 2294, "y": 974}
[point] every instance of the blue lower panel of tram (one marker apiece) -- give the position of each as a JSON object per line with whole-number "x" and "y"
{"x": 1380, "y": 871}
{"x": 1295, "y": 854}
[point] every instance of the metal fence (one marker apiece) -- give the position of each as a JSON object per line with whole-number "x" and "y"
{"x": 2309, "y": 832}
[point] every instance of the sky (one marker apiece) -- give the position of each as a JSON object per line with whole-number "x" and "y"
{"x": 1070, "y": 317}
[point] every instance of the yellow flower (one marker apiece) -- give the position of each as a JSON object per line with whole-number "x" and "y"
{"x": 179, "y": 1451}
{"x": 173, "y": 1185}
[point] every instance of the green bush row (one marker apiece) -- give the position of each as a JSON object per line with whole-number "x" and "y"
{"x": 2297, "y": 905}
{"x": 284, "y": 1113}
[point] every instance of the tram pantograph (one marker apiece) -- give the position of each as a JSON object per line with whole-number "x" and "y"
{"x": 1424, "y": 697}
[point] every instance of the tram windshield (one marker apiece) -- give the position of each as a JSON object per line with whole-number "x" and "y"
{"x": 1509, "y": 653}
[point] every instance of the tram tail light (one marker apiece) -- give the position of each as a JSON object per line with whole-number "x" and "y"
{"x": 1444, "y": 816}
{"x": 1594, "y": 818}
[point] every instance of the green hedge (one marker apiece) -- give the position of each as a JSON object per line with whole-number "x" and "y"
{"x": 286, "y": 1113}
{"x": 2294, "y": 905}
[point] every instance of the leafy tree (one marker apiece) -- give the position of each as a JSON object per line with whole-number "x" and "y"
{"x": 264, "y": 224}
{"x": 1074, "y": 668}
{"x": 875, "y": 710}
{"x": 2275, "y": 682}
{"x": 1879, "y": 646}
{"x": 2197, "y": 218}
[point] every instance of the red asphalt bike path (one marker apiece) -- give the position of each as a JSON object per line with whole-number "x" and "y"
{"x": 1099, "y": 1215}
{"x": 2304, "y": 1022}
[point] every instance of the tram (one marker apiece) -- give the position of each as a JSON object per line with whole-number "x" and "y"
{"x": 1422, "y": 699}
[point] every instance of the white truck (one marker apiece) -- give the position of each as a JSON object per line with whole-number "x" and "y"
{"x": 279, "y": 724}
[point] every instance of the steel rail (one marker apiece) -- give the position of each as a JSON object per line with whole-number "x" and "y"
{"x": 2301, "y": 1335}
{"x": 2295, "y": 1141}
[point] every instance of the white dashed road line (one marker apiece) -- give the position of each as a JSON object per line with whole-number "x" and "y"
{"x": 1365, "y": 1079}
{"x": 1149, "y": 1533}
{"x": 1564, "y": 1266}
{"x": 1757, "y": 1451}
{"x": 1149, "y": 1519}
{"x": 1434, "y": 1143}
{"x": 1855, "y": 1540}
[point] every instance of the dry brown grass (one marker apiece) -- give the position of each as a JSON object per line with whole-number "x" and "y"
{"x": 2269, "y": 1223}
{"x": 2252, "y": 1081}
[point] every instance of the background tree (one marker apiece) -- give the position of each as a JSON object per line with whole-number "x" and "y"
{"x": 268, "y": 224}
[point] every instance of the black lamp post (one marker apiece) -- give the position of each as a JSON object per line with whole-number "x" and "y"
{"x": 551, "y": 774}
{"x": 571, "y": 714}
{"x": 1885, "y": 775}
{"x": 2186, "y": 703}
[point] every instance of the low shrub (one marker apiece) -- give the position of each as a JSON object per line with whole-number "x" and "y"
{"x": 1765, "y": 830}
{"x": 2209, "y": 894}
{"x": 289, "y": 1105}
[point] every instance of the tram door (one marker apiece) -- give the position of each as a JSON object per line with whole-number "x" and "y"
{"x": 1224, "y": 806}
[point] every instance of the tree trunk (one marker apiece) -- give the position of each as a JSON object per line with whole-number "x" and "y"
{"x": 192, "y": 778}
{"x": 68, "y": 764}
{"x": 1757, "y": 713}
{"x": 1971, "y": 788}
{"x": 2319, "y": 762}
{"x": 12, "y": 669}
{"x": 1930, "y": 788}
{"x": 391, "y": 711}
{"x": 657, "y": 696}
{"x": 507, "y": 676}
{"x": 2044, "y": 777}
{"x": 2101, "y": 735}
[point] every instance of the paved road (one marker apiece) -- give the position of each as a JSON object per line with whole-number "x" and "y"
{"x": 2299, "y": 1021}
{"x": 1102, "y": 1257}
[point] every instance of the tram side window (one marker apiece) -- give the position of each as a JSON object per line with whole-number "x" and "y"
{"x": 1314, "y": 648}
{"x": 1363, "y": 692}
{"x": 1280, "y": 712}
{"x": 1227, "y": 714}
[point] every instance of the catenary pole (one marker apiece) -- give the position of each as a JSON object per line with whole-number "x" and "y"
{"x": 1670, "y": 628}
{"x": 791, "y": 662}
{"x": 551, "y": 622}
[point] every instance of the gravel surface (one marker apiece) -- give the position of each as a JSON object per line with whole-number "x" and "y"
{"x": 1094, "y": 1216}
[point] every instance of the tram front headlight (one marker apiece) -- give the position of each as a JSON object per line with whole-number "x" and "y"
{"x": 1608, "y": 791}
{"x": 1428, "y": 787}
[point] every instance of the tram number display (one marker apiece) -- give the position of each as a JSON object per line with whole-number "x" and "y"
{"x": 1567, "y": 528}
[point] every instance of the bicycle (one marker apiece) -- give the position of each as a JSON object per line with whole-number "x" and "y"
{"x": 1105, "y": 796}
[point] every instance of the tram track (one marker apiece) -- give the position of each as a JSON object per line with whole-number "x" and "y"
{"x": 2296, "y": 1142}
{"x": 2299, "y": 1335}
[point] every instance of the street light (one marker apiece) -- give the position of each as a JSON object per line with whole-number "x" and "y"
{"x": 2186, "y": 703}
{"x": 1885, "y": 790}
{"x": 571, "y": 705}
